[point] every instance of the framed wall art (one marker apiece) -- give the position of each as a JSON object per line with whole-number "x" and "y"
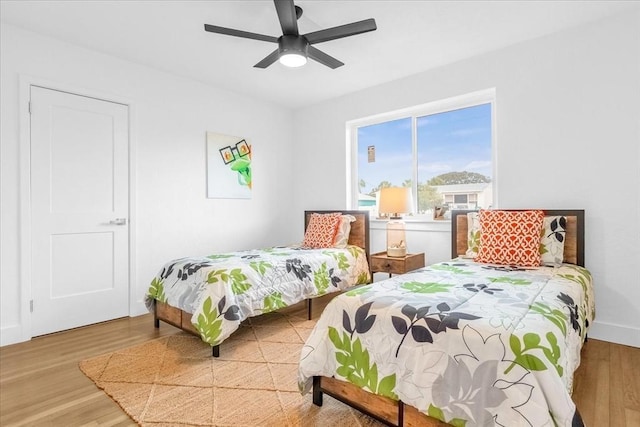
{"x": 228, "y": 167}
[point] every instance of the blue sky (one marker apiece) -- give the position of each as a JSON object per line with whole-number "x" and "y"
{"x": 452, "y": 141}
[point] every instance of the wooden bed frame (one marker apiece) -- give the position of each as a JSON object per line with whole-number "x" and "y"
{"x": 359, "y": 236}
{"x": 397, "y": 413}
{"x": 574, "y": 237}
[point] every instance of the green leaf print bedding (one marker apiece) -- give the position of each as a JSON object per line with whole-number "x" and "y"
{"x": 224, "y": 289}
{"x": 467, "y": 343}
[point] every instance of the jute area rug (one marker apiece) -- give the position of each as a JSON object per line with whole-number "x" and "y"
{"x": 174, "y": 381}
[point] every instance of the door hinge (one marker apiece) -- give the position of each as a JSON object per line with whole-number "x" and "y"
{"x": 29, "y": 107}
{"x": 31, "y": 305}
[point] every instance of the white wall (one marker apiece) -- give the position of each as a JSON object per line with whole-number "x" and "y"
{"x": 173, "y": 217}
{"x": 568, "y": 135}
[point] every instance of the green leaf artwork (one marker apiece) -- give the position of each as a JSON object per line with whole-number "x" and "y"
{"x": 356, "y": 367}
{"x": 273, "y": 302}
{"x": 555, "y": 316}
{"x": 287, "y": 254}
{"x": 583, "y": 276}
{"x": 239, "y": 284}
{"x": 321, "y": 279}
{"x": 363, "y": 278}
{"x": 452, "y": 268}
{"x": 216, "y": 276}
{"x": 527, "y": 360}
{"x": 238, "y": 281}
{"x": 437, "y": 413}
{"x": 354, "y": 251}
{"x": 220, "y": 256}
{"x": 474, "y": 241}
{"x": 156, "y": 290}
{"x": 575, "y": 278}
{"x": 341, "y": 259}
{"x": 511, "y": 280}
{"x": 543, "y": 248}
{"x": 358, "y": 291}
{"x": 426, "y": 288}
{"x": 209, "y": 326}
{"x": 260, "y": 266}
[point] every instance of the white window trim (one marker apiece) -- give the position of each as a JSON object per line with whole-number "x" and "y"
{"x": 486, "y": 96}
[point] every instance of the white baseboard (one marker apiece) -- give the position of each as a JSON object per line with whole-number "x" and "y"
{"x": 618, "y": 334}
{"x": 11, "y": 335}
{"x": 138, "y": 309}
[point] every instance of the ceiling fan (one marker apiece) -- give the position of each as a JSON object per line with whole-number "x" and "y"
{"x": 294, "y": 48}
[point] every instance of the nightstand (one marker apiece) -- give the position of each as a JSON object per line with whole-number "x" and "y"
{"x": 381, "y": 263}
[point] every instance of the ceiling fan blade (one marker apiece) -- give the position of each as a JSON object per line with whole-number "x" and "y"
{"x": 270, "y": 59}
{"x": 323, "y": 58}
{"x": 239, "y": 33}
{"x": 287, "y": 17}
{"x": 342, "y": 31}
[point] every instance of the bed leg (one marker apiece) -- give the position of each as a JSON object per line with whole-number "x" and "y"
{"x": 215, "y": 351}
{"x": 309, "y": 309}
{"x": 156, "y": 321}
{"x": 317, "y": 392}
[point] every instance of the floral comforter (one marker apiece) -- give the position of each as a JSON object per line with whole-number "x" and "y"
{"x": 222, "y": 290}
{"x": 466, "y": 343}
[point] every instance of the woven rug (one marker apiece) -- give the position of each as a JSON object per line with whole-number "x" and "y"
{"x": 174, "y": 380}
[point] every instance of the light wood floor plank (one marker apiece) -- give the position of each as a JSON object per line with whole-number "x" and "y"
{"x": 631, "y": 379}
{"x": 41, "y": 384}
{"x": 616, "y": 393}
{"x": 601, "y": 416}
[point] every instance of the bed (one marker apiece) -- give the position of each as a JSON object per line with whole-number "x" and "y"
{"x": 460, "y": 342}
{"x": 210, "y": 296}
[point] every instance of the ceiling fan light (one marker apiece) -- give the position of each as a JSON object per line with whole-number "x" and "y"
{"x": 292, "y": 59}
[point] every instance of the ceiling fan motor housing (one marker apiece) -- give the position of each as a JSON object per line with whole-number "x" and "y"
{"x": 293, "y": 44}
{"x": 294, "y": 48}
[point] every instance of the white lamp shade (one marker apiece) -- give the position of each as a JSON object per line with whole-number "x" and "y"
{"x": 395, "y": 200}
{"x": 293, "y": 59}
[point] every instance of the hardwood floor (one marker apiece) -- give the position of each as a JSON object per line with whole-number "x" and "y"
{"x": 41, "y": 384}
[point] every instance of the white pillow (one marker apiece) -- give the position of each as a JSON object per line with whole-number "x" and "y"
{"x": 473, "y": 234}
{"x": 342, "y": 238}
{"x": 552, "y": 239}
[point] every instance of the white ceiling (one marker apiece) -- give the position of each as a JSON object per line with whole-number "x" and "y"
{"x": 412, "y": 36}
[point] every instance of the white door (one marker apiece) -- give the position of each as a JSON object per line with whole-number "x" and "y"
{"x": 79, "y": 210}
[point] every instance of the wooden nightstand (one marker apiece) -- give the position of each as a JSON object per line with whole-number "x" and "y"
{"x": 381, "y": 263}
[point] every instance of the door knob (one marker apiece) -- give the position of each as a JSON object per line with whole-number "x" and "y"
{"x": 118, "y": 221}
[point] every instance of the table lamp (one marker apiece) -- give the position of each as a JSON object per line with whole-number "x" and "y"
{"x": 396, "y": 201}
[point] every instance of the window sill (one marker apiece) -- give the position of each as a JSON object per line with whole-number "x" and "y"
{"x": 441, "y": 225}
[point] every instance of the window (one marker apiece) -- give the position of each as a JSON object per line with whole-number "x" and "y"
{"x": 442, "y": 150}
{"x": 459, "y": 198}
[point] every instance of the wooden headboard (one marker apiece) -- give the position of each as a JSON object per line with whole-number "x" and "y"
{"x": 574, "y": 237}
{"x": 359, "y": 235}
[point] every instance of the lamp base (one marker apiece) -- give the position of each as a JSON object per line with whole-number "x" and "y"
{"x": 397, "y": 252}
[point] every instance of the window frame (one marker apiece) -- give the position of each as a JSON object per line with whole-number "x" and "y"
{"x": 486, "y": 96}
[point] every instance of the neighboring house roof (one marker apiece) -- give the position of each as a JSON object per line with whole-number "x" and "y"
{"x": 366, "y": 200}
{"x": 462, "y": 188}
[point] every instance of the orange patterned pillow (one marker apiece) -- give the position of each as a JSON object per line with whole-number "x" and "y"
{"x": 321, "y": 230}
{"x": 510, "y": 237}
